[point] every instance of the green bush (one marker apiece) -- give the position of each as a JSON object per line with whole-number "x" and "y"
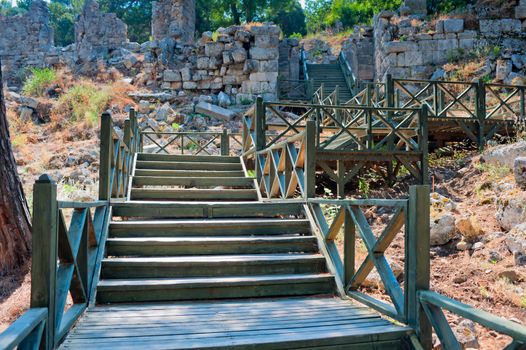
{"x": 296, "y": 36}
{"x": 85, "y": 102}
{"x": 39, "y": 81}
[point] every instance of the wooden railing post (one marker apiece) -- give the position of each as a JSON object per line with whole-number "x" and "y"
{"x": 260, "y": 134}
{"x": 310, "y": 160}
{"x": 424, "y": 144}
{"x": 417, "y": 266}
{"x": 106, "y": 154}
{"x": 480, "y": 105}
{"x": 127, "y": 133}
{"x": 389, "y": 90}
{"x": 44, "y": 256}
{"x": 225, "y": 143}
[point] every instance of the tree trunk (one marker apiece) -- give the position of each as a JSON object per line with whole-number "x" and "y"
{"x": 235, "y": 13}
{"x": 15, "y": 221}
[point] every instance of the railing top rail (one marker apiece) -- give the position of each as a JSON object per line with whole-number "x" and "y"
{"x": 499, "y": 324}
{"x": 423, "y": 81}
{"x": 512, "y": 86}
{"x": 81, "y": 205}
{"x": 187, "y": 133}
{"x": 17, "y": 332}
{"x": 361, "y": 202}
{"x": 348, "y": 106}
{"x": 281, "y": 144}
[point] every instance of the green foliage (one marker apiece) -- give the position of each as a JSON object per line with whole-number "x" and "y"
{"x": 296, "y": 36}
{"x": 455, "y": 55}
{"x": 7, "y": 9}
{"x": 85, "y": 102}
{"x": 447, "y": 6}
{"x": 322, "y": 14}
{"x": 363, "y": 187}
{"x": 136, "y": 14}
{"x": 39, "y": 81}
{"x": 212, "y": 14}
{"x": 176, "y": 126}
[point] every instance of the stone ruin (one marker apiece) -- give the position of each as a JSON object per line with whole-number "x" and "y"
{"x": 27, "y": 40}
{"x": 97, "y": 34}
{"x": 174, "y": 19}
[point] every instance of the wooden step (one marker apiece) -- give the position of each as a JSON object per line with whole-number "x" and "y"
{"x": 166, "y": 289}
{"x": 167, "y": 165}
{"x": 206, "y": 209}
{"x": 193, "y": 181}
{"x": 189, "y": 173}
{"x": 211, "y": 227}
{"x": 184, "y": 246}
{"x": 194, "y": 194}
{"x": 187, "y": 158}
{"x": 212, "y": 266}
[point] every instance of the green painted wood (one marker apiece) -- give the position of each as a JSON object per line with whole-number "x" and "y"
{"x": 187, "y": 158}
{"x": 215, "y": 227}
{"x": 225, "y": 143}
{"x": 209, "y": 245}
{"x": 168, "y": 165}
{"x": 213, "y": 209}
{"x": 417, "y": 265}
{"x": 193, "y": 181}
{"x": 26, "y": 331}
{"x": 310, "y": 160}
{"x": 193, "y": 194}
{"x": 212, "y": 288}
{"x": 189, "y": 173}
{"x": 212, "y": 266}
{"x": 44, "y": 252}
{"x": 106, "y": 144}
{"x": 499, "y": 324}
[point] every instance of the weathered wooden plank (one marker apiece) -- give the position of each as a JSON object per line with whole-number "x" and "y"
{"x": 210, "y": 266}
{"x": 209, "y": 245}
{"x": 22, "y": 329}
{"x": 193, "y": 194}
{"x": 220, "y": 227}
{"x": 192, "y": 181}
{"x": 167, "y": 165}
{"x": 189, "y": 173}
{"x": 187, "y": 158}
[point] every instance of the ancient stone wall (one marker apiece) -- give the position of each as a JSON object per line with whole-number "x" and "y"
{"x": 359, "y": 50}
{"x": 27, "y": 40}
{"x": 97, "y": 34}
{"x": 174, "y": 19}
{"x": 289, "y": 59}
{"x": 407, "y": 47}
{"x": 242, "y": 61}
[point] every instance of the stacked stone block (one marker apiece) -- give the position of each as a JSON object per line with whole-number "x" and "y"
{"x": 359, "y": 50}
{"x": 174, "y": 19}
{"x": 289, "y": 59}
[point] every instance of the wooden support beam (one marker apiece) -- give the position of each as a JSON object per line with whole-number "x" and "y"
{"x": 44, "y": 257}
{"x": 417, "y": 264}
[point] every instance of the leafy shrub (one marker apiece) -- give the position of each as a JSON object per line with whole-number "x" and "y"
{"x": 84, "y": 102}
{"x": 39, "y": 81}
{"x": 296, "y": 36}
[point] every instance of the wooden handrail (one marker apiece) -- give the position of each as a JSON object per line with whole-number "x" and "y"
{"x": 411, "y": 215}
{"x": 433, "y": 303}
{"x": 26, "y": 332}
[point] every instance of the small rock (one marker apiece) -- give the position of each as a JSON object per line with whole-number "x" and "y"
{"x": 466, "y": 334}
{"x": 478, "y": 246}
{"x": 519, "y": 170}
{"x": 163, "y": 112}
{"x": 494, "y": 256}
{"x": 442, "y": 230}
{"x": 224, "y": 100}
{"x": 463, "y": 245}
{"x": 511, "y": 275}
{"x": 441, "y": 203}
{"x": 438, "y": 74}
{"x": 144, "y": 107}
{"x": 469, "y": 228}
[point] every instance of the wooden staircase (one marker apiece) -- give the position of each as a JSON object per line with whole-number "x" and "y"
{"x": 330, "y": 75}
{"x": 190, "y": 178}
{"x": 203, "y": 242}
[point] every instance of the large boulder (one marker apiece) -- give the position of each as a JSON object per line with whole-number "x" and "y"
{"x": 516, "y": 243}
{"x": 511, "y": 209}
{"x": 469, "y": 228}
{"x": 442, "y": 230}
{"x": 519, "y": 170}
{"x": 505, "y": 155}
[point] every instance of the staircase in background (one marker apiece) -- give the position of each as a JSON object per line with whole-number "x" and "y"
{"x": 330, "y": 75}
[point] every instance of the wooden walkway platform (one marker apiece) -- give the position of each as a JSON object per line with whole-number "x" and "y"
{"x": 284, "y": 323}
